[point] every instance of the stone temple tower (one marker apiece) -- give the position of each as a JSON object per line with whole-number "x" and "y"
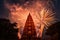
{"x": 29, "y": 32}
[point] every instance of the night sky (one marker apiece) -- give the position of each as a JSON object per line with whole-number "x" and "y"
{"x": 4, "y": 12}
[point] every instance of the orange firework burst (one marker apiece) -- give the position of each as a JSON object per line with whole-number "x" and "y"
{"x": 46, "y": 18}
{"x": 39, "y": 11}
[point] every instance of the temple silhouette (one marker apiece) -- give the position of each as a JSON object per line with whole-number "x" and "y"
{"x": 29, "y": 32}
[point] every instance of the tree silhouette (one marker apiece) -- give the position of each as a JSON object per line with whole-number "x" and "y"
{"x": 54, "y": 31}
{"x": 7, "y": 31}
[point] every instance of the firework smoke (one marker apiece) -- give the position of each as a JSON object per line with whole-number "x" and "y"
{"x": 40, "y": 10}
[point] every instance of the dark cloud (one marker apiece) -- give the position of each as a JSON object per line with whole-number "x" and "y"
{"x": 17, "y": 1}
{"x": 4, "y": 13}
{"x": 57, "y": 9}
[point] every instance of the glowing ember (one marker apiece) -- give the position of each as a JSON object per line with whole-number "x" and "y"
{"x": 41, "y": 14}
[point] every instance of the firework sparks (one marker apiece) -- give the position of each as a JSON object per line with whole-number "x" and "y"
{"x": 46, "y": 18}
{"x": 39, "y": 11}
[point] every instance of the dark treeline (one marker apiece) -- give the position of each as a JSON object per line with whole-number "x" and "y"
{"x": 54, "y": 31}
{"x": 7, "y": 31}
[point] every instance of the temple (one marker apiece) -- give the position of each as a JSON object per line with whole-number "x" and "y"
{"x": 29, "y": 32}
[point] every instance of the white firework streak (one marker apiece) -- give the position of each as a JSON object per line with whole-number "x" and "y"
{"x": 46, "y": 18}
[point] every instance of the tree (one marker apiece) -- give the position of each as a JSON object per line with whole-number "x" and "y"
{"x": 7, "y": 31}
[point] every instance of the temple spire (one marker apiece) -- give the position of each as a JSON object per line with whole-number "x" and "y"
{"x": 29, "y": 31}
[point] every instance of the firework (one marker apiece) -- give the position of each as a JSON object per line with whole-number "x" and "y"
{"x": 46, "y": 18}
{"x": 39, "y": 11}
